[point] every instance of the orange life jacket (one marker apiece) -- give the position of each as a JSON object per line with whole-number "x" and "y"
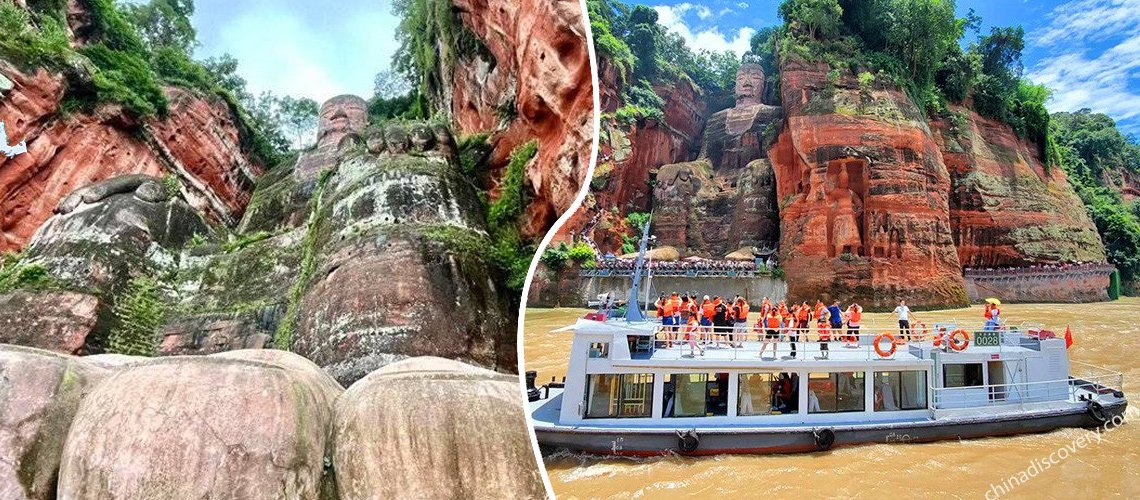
{"x": 667, "y": 307}
{"x": 856, "y": 315}
{"x": 744, "y": 311}
{"x": 772, "y": 322}
{"x": 708, "y": 310}
{"x": 674, "y": 306}
{"x": 824, "y": 331}
{"x": 802, "y": 314}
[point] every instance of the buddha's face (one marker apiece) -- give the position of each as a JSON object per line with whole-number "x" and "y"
{"x": 341, "y": 115}
{"x": 749, "y": 84}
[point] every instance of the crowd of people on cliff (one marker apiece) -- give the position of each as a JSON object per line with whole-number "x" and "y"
{"x": 618, "y": 264}
{"x": 1038, "y": 269}
{"x": 716, "y": 322}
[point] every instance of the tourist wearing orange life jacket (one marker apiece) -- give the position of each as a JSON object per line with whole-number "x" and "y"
{"x": 854, "y": 315}
{"x": 771, "y": 333}
{"x": 765, "y": 306}
{"x": 739, "y": 322}
{"x": 692, "y": 331}
{"x": 706, "y": 319}
{"x": 823, "y": 327}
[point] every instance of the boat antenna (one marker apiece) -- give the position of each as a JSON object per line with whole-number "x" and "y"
{"x": 632, "y": 309}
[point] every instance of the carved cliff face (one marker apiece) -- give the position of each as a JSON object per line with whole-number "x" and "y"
{"x": 749, "y": 85}
{"x": 340, "y": 116}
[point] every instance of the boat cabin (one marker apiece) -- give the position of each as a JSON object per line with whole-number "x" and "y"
{"x": 621, "y": 374}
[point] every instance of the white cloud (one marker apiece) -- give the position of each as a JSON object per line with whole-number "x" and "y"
{"x": 1078, "y": 76}
{"x": 672, "y": 18}
{"x": 301, "y": 50}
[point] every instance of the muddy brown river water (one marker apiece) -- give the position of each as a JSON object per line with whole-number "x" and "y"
{"x": 1105, "y": 334}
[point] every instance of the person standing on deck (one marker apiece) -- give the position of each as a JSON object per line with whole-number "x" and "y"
{"x": 823, "y": 328}
{"x": 740, "y": 321}
{"x": 835, "y": 316}
{"x": 720, "y": 320}
{"x": 854, "y": 316}
{"x": 771, "y": 333}
{"x": 707, "y": 311}
{"x": 692, "y": 330}
{"x": 903, "y": 313}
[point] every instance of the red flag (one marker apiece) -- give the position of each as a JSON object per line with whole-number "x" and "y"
{"x": 1068, "y": 337}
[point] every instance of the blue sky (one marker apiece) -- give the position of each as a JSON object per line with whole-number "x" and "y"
{"x": 1086, "y": 51}
{"x": 302, "y": 48}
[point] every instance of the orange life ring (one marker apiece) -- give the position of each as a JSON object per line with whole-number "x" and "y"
{"x": 959, "y": 340}
{"x": 879, "y": 348}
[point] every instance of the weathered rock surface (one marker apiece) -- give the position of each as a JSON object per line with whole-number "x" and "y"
{"x": 472, "y": 446}
{"x": 199, "y": 142}
{"x": 40, "y": 392}
{"x": 727, "y": 198}
{"x": 541, "y": 70}
{"x": 200, "y": 427}
{"x": 400, "y": 225}
{"x": 1006, "y": 208}
{"x": 52, "y": 320}
{"x": 864, "y": 196}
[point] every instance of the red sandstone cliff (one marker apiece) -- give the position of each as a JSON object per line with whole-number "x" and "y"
{"x": 864, "y": 195}
{"x": 628, "y": 155}
{"x": 1006, "y": 208}
{"x": 199, "y": 143}
{"x": 541, "y": 68}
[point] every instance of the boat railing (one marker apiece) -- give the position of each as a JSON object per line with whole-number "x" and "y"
{"x": 862, "y": 343}
{"x": 1094, "y": 382}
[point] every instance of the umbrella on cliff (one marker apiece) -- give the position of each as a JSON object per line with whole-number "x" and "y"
{"x": 994, "y": 301}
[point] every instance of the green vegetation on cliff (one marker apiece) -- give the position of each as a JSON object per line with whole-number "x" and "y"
{"x": 126, "y": 53}
{"x": 917, "y": 45}
{"x": 432, "y": 41}
{"x": 645, "y": 55}
{"x": 1097, "y": 158}
{"x": 139, "y": 312}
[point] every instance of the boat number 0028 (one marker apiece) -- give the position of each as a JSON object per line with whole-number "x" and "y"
{"x": 988, "y": 339}
{"x": 895, "y": 437}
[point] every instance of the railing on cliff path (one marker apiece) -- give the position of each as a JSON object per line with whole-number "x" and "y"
{"x": 678, "y": 273}
{"x": 1062, "y": 271}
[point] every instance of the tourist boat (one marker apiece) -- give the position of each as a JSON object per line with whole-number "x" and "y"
{"x": 625, "y": 393}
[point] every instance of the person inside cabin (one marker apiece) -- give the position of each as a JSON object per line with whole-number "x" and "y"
{"x": 823, "y": 327}
{"x": 740, "y": 321}
{"x": 783, "y": 394}
{"x": 885, "y": 397}
{"x": 903, "y": 313}
{"x": 771, "y": 333}
{"x": 813, "y": 403}
{"x": 854, "y": 315}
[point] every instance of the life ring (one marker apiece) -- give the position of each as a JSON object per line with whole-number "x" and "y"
{"x": 1096, "y": 411}
{"x": 824, "y": 438}
{"x": 959, "y": 340}
{"x": 879, "y": 347}
{"x": 688, "y": 441}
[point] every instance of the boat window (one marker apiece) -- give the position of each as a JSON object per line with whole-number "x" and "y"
{"x": 599, "y": 349}
{"x": 962, "y": 375}
{"x": 902, "y": 390}
{"x": 695, "y": 395}
{"x": 760, "y": 394}
{"x": 836, "y": 392}
{"x": 619, "y": 395}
